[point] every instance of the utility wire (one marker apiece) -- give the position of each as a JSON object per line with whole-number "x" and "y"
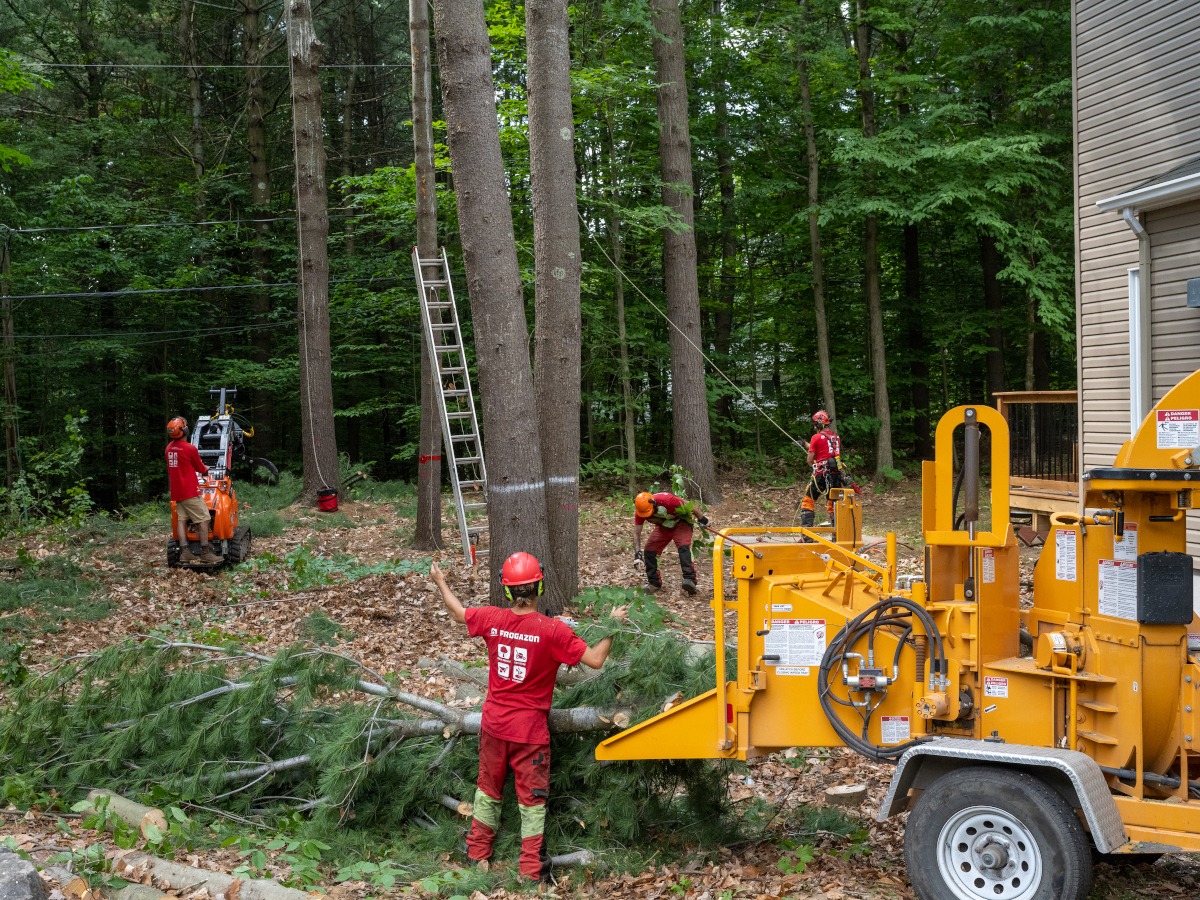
{"x": 192, "y": 290}
{"x": 117, "y": 65}
{"x": 114, "y": 226}
{"x": 222, "y": 329}
{"x": 683, "y": 334}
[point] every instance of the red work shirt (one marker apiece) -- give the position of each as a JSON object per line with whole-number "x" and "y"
{"x": 825, "y": 446}
{"x": 665, "y": 504}
{"x": 524, "y": 653}
{"x": 183, "y": 464}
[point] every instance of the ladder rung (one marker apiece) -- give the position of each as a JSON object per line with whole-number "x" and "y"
{"x": 464, "y": 437}
{"x": 439, "y": 304}
{"x": 446, "y": 370}
{"x": 474, "y": 506}
{"x": 475, "y": 484}
{"x": 444, "y": 326}
{"x": 456, "y": 393}
{"x": 458, "y": 415}
{"x": 430, "y": 261}
{"x": 468, "y": 460}
{"x": 477, "y": 529}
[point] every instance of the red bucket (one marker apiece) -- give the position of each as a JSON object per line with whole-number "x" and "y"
{"x": 327, "y": 500}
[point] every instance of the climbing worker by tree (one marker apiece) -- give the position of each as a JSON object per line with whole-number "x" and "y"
{"x": 525, "y": 649}
{"x": 183, "y": 465}
{"x": 673, "y": 518}
{"x": 825, "y": 457}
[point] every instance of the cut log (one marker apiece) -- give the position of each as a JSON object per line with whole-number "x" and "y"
{"x": 180, "y": 879}
{"x": 462, "y": 807}
{"x": 129, "y": 812}
{"x": 578, "y": 858}
{"x": 845, "y": 794}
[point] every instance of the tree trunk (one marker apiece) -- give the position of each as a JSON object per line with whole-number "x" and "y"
{"x": 516, "y": 486}
{"x": 727, "y": 287}
{"x": 349, "y": 91}
{"x": 918, "y": 367}
{"x": 10, "y": 373}
{"x": 824, "y": 361}
{"x": 428, "y": 532}
{"x": 689, "y": 402}
{"x": 557, "y": 268}
{"x": 317, "y": 436}
{"x": 260, "y": 204}
{"x": 993, "y": 302}
{"x": 612, "y": 224}
{"x": 876, "y": 342}
{"x": 187, "y": 41}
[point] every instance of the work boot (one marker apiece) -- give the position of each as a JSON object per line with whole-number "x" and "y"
{"x": 187, "y": 557}
{"x": 209, "y": 557}
{"x": 806, "y": 521}
{"x": 687, "y": 569}
{"x": 653, "y": 579}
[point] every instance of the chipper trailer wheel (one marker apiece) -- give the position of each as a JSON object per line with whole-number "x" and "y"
{"x": 999, "y": 834}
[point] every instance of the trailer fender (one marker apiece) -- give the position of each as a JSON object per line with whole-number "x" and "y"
{"x": 1074, "y": 775}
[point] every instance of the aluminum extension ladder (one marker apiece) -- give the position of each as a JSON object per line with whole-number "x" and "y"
{"x": 455, "y": 402}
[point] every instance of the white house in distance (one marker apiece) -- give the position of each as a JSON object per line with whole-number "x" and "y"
{"x": 1137, "y": 215}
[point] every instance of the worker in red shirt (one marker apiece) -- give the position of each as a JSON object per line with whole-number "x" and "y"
{"x": 824, "y": 455}
{"x": 525, "y": 649}
{"x": 673, "y": 518}
{"x": 183, "y": 465}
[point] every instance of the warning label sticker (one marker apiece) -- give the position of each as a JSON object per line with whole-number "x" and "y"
{"x": 1178, "y": 429}
{"x": 1126, "y": 548}
{"x": 1064, "y": 555}
{"x": 894, "y": 730}
{"x": 792, "y": 670}
{"x": 1117, "y": 587}
{"x": 989, "y": 565}
{"x": 994, "y": 686}
{"x": 797, "y": 642}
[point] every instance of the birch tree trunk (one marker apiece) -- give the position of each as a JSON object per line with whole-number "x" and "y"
{"x": 689, "y": 401}
{"x": 876, "y": 342}
{"x": 824, "y": 362}
{"x": 317, "y": 436}
{"x": 557, "y": 267}
{"x": 428, "y": 532}
{"x": 516, "y": 486}
{"x": 187, "y": 42}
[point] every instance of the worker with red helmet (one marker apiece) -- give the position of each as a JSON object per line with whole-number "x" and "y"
{"x": 525, "y": 649}
{"x": 824, "y": 455}
{"x": 673, "y": 518}
{"x": 183, "y": 465}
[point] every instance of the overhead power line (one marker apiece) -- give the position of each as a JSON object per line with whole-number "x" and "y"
{"x": 196, "y": 289}
{"x": 117, "y": 65}
{"x": 113, "y": 226}
{"x": 223, "y": 329}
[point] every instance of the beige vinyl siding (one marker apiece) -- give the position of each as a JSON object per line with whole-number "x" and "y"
{"x": 1136, "y": 116}
{"x": 1175, "y": 250}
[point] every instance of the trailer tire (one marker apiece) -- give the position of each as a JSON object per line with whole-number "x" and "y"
{"x": 983, "y": 832}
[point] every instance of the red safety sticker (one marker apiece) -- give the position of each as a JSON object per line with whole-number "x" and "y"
{"x": 424, "y": 459}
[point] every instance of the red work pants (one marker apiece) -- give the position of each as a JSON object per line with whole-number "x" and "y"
{"x": 530, "y": 764}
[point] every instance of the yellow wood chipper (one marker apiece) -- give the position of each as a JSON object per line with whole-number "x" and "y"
{"x": 1026, "y": 741}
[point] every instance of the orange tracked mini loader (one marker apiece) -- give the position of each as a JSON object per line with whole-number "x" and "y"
{"x": 1024, "y": 740}
{"x": 220, "y": 442}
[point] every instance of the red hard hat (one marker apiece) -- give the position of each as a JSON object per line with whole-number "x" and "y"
{"x": 821, "y": 417}
{"x": 520, "y": 568}
{"x": 177, "y": 428}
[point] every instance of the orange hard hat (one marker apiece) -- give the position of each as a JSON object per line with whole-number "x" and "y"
{"x": 520, "y": 568}
{"x": 177, "y": 428}
{"x": 643, "y": 505}
{"x": 821, "y": 417}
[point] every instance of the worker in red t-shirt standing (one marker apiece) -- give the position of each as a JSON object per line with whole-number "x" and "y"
{"x": 824, "y": 455}
{"x": 673, "y": 518}
{"x": 183, "y": 465}
{"x": 525, "y": 649}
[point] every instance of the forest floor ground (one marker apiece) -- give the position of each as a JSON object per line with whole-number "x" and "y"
{"x": 75, "y": 591}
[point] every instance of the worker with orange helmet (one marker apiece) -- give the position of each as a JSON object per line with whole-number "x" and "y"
{"x": 673, "y": 518}
{"x": 525, "y": 649}
{"x": 824, "y": 455}
{"x": 183, "y": 465}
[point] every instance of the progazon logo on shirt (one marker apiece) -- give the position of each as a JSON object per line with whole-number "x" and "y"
{"x": 494, "y": 632}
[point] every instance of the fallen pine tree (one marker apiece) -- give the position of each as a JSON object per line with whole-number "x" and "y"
{"x": 313, "y": 732}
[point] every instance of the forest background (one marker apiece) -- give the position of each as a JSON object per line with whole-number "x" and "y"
{"x": 148, "y": 212}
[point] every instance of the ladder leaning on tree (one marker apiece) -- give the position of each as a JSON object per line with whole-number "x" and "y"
{"x": 455, "y": 401}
